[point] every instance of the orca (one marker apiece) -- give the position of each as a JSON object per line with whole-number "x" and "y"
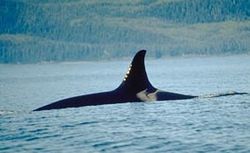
{"x": 135, "y": 87}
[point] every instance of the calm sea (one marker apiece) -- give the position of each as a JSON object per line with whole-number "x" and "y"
{"x": 199, "y": 125}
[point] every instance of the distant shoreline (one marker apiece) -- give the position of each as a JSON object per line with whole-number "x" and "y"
{"x": 125, "y": 59}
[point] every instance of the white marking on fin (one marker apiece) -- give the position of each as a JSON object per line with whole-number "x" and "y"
{"x": 145, "y": 96}
{"x": 126, "y": 75}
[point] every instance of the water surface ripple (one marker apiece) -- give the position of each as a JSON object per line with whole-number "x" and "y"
{"x": 197, "y": 125}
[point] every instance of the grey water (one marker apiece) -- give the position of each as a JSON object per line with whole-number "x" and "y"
{"x": 198, "y": 125}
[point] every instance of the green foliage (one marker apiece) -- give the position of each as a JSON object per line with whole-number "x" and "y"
{"x": 56, "y": 30}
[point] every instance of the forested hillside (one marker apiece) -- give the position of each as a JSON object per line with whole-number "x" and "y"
{"x": 68, "y": 30}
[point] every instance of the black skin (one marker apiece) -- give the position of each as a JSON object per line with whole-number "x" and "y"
{"x": 135, "y": 81}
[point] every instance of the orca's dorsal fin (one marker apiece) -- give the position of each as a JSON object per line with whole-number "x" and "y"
{"x": 136, "y": 78}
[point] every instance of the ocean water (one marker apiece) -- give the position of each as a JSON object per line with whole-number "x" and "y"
{"x": 198, "y": 125}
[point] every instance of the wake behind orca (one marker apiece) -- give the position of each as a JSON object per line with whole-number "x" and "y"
{"x": 135, "y": 87}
